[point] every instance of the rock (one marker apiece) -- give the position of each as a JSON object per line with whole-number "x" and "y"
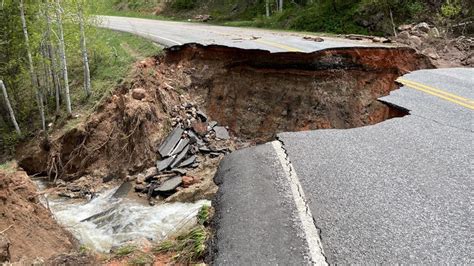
{"x": 140, "y": 188}
{"x": 415, "y": 41}
{"x": 434, "y": 32}
{"x": 431, "y": 53}
{"x": 150, "y": 172}
{"x": 404, "y": 35}
{"x": 138, "y": 93}
{"x": 140, "y": 179}
{"x": 187, "y": 181}
{"x": 170, "y": 184}
{"x": 221, "y": 133}
{"x": 423, "y": 26}
{"x": 380, "y": 39}
{"x": 203, "y": 18}
{"x": 4, "y": 249}
{"x": 405, "y": 27}
{"x": 200, "y": 128}
{"x": 170, "y": 142}
{"x": 313, "y": 38}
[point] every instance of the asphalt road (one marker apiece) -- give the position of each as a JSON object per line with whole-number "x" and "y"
{"x": 171, "y": 33}
{"x": 396, "y": 192}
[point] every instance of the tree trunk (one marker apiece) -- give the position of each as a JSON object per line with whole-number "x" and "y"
{"x": 85, "y": 58}
{"x": 34, "y": 80}
{"x": 280, "y": 5}
{"x": 62, "y": 50}
{"x": 393, "y": 23}
{"x": 267, "y": 8}
{"x": 9, "y": 107}
{"x": 52, "y": 59}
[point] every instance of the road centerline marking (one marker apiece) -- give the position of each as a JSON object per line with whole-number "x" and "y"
{"x": 402, "y": 80}
{"x": 279, "y": 45}
{"x": 465, "y": 102}
{"x": 309, "y": 228}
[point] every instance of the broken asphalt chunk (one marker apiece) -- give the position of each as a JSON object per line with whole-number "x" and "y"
{"x": 164, "y": 164}
{"x": 180, "y": 157}
{"x": 201, "y": 116}
{"x": 212, "y": 124}
{"x": 170, "y": 142}
{"x": 123, "y": 190}
{"x": 179, "y": 170}
{"x": 221, "y": 133}
{"x": 188, "y": 161}
{"x": 204, "y": 149}
{"x": 181, "y": 145}
{"x": 169, "y": 185}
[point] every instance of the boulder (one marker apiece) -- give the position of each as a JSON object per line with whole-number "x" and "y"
{"x": 138, "y": 93}
{"x": 150, "y": 172}
{"x": 431, "y": 53}
{"x": 405, "y": 27}
{"x": 423, "y": 26}
{"x": 415, "y": 41}
{"x": 434, "y": 32}
{"x": 404, "y": 35}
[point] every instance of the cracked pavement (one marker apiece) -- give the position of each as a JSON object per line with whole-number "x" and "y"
{"x": 396, "y": 192}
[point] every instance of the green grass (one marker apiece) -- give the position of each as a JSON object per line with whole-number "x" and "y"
{"x": 203, "y": 214}
{"x": 116, "y": 53}
{"x": 7, "y": 167}
{"x": 125, "y": 250}
{"x": 189, "y": 247}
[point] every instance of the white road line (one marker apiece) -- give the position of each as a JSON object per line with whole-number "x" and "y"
{"x": 304, "y": 213}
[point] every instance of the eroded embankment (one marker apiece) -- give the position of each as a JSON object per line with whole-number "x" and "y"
{"x": 254, "y": 92}
{"x": 258, "y": 93}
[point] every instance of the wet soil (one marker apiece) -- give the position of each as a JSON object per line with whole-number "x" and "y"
{"x": 30, "y": 228}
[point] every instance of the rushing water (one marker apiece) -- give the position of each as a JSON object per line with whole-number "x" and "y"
{"x": 122, "y": 220}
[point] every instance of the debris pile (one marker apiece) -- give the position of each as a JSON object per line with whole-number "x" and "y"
{"x": 193, "y": 138}
{"x": 367, "y": 38}
{"x": 432, "y": 42}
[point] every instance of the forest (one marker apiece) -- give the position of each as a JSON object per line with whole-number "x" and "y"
{"x": 56, "y": 64}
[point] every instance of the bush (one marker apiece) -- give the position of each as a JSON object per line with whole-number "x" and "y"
{"x": 183, "y": 4}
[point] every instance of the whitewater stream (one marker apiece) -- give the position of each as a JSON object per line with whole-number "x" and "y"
{"x": 115, "y": 221}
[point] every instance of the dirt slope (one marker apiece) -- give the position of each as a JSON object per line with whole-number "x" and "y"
{"x": 29, "y": 227}
{"x": 254, "y": 92}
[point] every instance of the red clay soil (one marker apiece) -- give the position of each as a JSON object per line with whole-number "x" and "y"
{"x": 254, "y": 92}
{"x": 29, "y": 227}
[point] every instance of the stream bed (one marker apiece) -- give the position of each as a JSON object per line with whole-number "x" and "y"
{"x": 106, "y": 222}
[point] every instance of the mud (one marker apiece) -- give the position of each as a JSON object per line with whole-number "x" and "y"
{"x": 33, "y": 233}
{"x": 254, "y": 92}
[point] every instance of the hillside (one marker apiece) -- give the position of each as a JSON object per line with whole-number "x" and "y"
{"x": 333, "y": 16}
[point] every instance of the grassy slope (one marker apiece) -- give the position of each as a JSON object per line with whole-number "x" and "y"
{"x": 111, "y": 58}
